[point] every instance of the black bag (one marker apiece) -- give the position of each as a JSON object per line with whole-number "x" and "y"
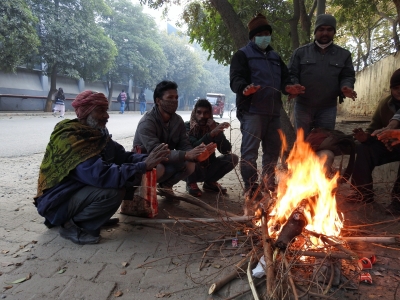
{"x": 119, "y": 98}
{"x": 336, "y": 141}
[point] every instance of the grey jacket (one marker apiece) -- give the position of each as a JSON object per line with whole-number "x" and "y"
{"x": 152, "y": 131}
{"x": 323, "y": 75}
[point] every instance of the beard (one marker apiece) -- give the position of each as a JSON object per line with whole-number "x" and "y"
{"x": 92, "y": 122}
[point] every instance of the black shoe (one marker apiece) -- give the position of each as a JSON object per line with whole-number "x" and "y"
{"x": 393, "y": 209}
{"x": 111, "y": 222}
{"x": 359, "y": 198}
{"x": 214, "y": 187}
{"x": 75, "y": 234}
{"x": 193, "y": 189}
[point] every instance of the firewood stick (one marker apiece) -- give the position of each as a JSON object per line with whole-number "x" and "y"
{"x": 372, "y": 239}
{"x": 143, "y": 221}
{"x": 332, "y": 243}
{"x": 323, "y": 255}
{"x": 202, "y": 204}
{"x": 289, "y": 275}
{"x": 204, "y": 254}
{"x": 328, "y": 287}
{"x": 269, "y": 265}
{"x": 216, "y": 286}
{"x": 251, "y": 282}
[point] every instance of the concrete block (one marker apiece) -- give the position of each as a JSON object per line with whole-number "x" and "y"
{"x": 83, "y": 289}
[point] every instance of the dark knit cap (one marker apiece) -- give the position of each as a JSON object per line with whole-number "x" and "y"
{"x": 325, "y": 20}
{"x": 257, "y": 24}
{"x": 395, "y": 79}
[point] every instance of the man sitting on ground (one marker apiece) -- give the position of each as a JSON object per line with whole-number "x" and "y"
{"x": 372, "y": 152}
{"x": 163, "y": 125}
{"x": 84, "y": 173}
{"x": 202, "y": 129}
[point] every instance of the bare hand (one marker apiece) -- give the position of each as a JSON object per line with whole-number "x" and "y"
{"x": 251, "y": 89}
{"x": 210, "y": 149}
{"x": 389, "y": 136}
{"x": 219, "y": 128}
{"x": 360, "y": 135}
{"x": 349, "y": 93}
{"x": 295, "y": 90}
{"x": 195, "y": 152}
{"x": 158, "y": 155}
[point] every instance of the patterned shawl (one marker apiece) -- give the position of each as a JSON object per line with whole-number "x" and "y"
{"x": 195, "y": 129}
{"x": 71, "y": 143}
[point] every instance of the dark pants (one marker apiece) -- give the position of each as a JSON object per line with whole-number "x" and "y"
{"x": 369, "y": 155}
{"x": 175, "y": 172}
{"x": 216, "y": 168}
{"x": 90, "y": 207}
{"x": 259, "y": 129}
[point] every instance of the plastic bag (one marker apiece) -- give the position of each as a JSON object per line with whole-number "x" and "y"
{"x": 144, "y": 203}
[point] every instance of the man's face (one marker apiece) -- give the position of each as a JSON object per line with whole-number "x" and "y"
{"x": 98, "y": 118}
{"x": 202, "y": 114}
{"x": 396, "y": 92}
{"x": 169, "y": 101}
{"x": 324, "y": 34}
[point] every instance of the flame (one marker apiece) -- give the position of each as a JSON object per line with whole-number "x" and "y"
{"x": 306, "y": 180}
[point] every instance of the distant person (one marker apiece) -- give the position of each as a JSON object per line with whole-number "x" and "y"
{"x": 202, "y": 129}
{"x": 163, "y": 125}
{"x": 258, "y": 76}
{"x": 84, "y": 173}
{"x": 122, "y": 97}
{"x": 326, "y": 71}
{"x": 59, "y": 103}
{"x": 142, "y": 102}
{"x": 128, "y": 99}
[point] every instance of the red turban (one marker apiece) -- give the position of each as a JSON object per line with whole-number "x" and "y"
{"x": 87, "y": 101}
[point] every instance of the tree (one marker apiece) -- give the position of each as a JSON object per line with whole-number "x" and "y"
{"x": 139, "y": 57}
{"x": 72, "y": 43}
{"x": 18, "y": 37}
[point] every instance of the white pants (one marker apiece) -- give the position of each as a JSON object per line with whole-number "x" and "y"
{"x": 60, "y": 108}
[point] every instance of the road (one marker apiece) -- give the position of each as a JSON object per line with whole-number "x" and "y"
{"x": 23, "y": 135}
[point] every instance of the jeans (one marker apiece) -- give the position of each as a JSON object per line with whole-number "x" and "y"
{"x": 90, "y": 207}
{"x": 215, "y": 170}
{"x": 142, "y": 107}
{"x": 258, "y": 129}
{"x": 122, "y": 109}
{"x": 172, "y": 173}
{"x": 308, "y": 117}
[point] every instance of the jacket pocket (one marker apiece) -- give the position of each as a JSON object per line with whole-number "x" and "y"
{"x": 335, "y": 67}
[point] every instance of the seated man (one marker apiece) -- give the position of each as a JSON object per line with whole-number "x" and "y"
{"x": 202, "y": 129}
{"x": 371, "y": 152}
{"x": 84, "y": 173}
{"x": 163, "y": 125}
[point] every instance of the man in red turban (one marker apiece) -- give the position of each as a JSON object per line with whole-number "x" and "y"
{"x": 84, "y": 173}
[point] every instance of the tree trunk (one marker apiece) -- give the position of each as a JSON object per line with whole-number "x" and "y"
{"x": 53, "y": 89}
{"x": 110, "y": 84}
{"x": 134, "y": 94}
{"x": 321, "y": 4}
{"x": 294, "y": 35}
{"x": 240, "y": 36}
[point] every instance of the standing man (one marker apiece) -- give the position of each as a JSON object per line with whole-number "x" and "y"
{"x": 123, "y": 97}
{"x": 84, "y": 173}
{"x": 258, "y": 76}
{"x": 142, "y": 102}
{"x": 326, "y": 71}
{"x": 163, "y": 125}
{"x": 128, "y": 99}
{"x": 203, "y": 129}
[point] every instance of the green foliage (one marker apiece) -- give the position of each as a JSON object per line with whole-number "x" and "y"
{"x": 72, "y": 42}
{"x": 18, "y": 38}
{"x": 140, "y": 55}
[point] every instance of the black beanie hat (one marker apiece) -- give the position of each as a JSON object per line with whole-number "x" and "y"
{"x": 325, "y": 20}
{"x": 395, "y": 79}
{"x": 257, "y": 24}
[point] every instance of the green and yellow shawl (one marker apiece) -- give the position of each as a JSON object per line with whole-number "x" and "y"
{"x": 71, "y": 143}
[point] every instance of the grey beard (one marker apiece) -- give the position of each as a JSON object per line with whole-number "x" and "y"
{"x": 93, "y": 123}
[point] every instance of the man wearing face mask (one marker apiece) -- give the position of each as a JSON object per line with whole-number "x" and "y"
{"x": 163, "y": 125}
{"x": 326, "y": 71}
{"x": 258, "y": 76}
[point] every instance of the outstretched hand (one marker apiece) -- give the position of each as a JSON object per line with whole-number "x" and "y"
{"x": 349, "y": 92}
{"x": 251, "y": 89}
{"x": 294, "y": 90}
{"x": 360, "y": 135}
{"x": 217, "y": 129}
{"x": 390, "y": 137}
{"x": 158, "y": 155}
{"x": 210, "y": 149}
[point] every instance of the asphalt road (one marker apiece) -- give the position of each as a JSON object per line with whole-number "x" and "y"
{"x": 23, "y": 135}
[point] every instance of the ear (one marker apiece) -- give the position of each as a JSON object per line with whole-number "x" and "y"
{"x": 158, "y": 101}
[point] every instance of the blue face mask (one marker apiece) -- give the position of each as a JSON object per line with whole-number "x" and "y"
{"x": 262, "y": 41}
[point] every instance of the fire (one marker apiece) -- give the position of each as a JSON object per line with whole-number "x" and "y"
{"x": 306, "y": 186}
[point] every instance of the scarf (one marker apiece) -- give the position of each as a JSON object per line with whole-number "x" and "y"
{"x": 71, "y": 143}
{"x": 195, "y": 129}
